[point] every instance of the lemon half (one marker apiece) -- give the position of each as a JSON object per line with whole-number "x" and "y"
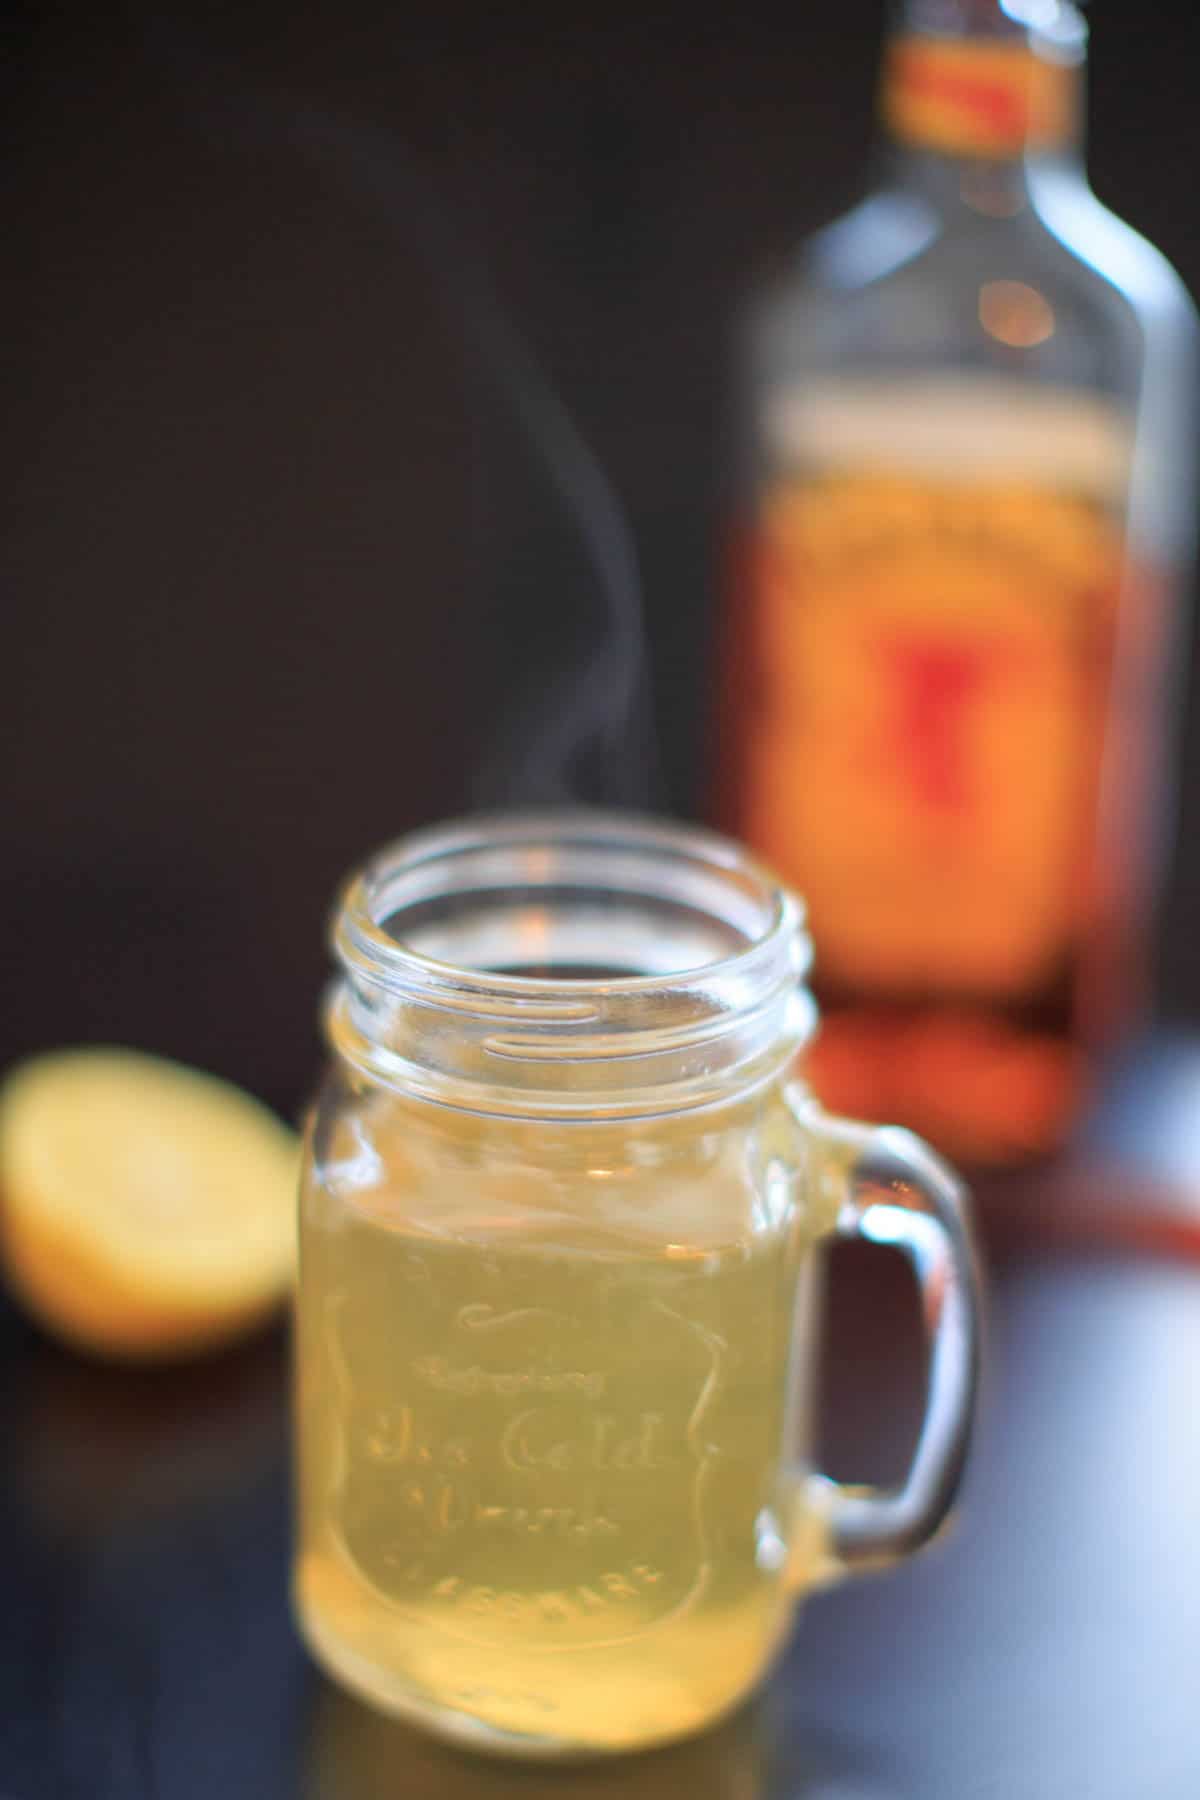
{"x": 146, "y": 1209}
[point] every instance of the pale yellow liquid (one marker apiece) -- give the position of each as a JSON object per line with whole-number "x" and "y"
{"x": 543, "y": 1391}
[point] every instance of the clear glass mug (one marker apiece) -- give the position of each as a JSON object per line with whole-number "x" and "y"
{"x": 564, "y": 1196}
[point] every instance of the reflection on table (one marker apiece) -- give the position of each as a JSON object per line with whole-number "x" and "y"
{"x": 353, "y": 1753}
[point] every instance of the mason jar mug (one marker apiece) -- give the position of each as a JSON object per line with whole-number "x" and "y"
{"x": 560, "y": 1248}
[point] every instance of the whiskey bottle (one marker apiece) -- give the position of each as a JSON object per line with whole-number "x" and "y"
{"x": 963, "y": 535}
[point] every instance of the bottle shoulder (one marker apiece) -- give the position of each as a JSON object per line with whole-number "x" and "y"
{"x": 885, "y": 234}
{"x": 1114, "y": 253}
{"x": 898, "y": 280}
{"x": 892, "y": 234}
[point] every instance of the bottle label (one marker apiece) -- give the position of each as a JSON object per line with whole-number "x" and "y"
{"x": 920, "y": 752}
{"x": 966, "y": 98}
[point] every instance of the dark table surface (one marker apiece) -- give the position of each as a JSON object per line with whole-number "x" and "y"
{"x": 1050, "y": 1647}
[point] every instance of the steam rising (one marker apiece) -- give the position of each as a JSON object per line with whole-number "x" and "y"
{"x": 588, "y": 734}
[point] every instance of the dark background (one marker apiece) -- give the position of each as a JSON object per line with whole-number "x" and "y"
{"x": 280, "y": 569}
{"x": 279, "y": 574}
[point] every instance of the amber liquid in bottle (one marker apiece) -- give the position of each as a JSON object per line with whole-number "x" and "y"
{"x": 963, "y": 521}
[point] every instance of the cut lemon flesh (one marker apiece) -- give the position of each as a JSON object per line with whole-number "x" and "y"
{"x": 145, "y": 1208}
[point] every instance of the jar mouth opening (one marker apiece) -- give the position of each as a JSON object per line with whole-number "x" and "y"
{"x": 569, "y": 965}
{"x": 573, "y": 905}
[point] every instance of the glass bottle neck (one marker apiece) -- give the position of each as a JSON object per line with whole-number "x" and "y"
{"x": 986, "y": 187}
{"x": 977, "y": 96}
{"x": 1054, "y": 22}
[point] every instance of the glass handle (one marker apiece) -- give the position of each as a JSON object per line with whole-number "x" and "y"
{"x": 890, "y": 1189}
